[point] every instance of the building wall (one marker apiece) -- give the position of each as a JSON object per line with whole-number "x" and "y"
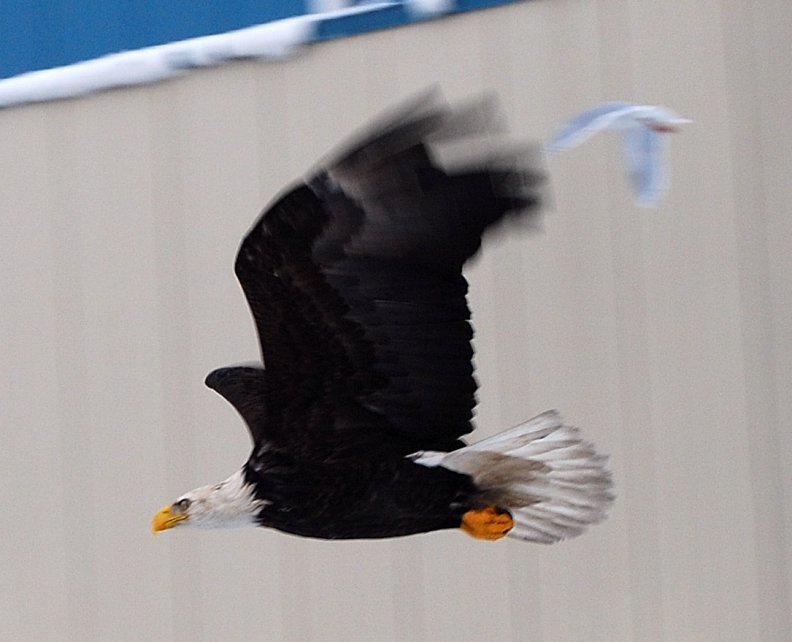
{"x": 666, "y": 335}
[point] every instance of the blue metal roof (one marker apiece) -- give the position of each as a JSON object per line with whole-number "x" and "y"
{"x": 37, "y": 35}
{"x": 394, "y": 16}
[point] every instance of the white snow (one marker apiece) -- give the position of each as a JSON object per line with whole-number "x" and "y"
{"x": 429, "y": 8}
{"x": 420, "y": 8}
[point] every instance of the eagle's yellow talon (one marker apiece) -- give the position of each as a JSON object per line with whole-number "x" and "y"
{"x": 487, "y": 523}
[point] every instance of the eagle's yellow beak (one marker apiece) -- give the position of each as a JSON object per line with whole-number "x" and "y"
{"x": 166, "y": 519}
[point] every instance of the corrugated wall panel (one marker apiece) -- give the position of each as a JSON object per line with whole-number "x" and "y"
{"x": 664, "y": 334}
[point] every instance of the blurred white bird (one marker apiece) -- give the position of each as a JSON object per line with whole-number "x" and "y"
{"x": 641, "y": 127}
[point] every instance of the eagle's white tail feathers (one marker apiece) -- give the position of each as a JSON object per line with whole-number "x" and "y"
{"x": 553, "y": 482}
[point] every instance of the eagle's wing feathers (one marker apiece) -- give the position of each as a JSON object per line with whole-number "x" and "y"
{"x": 244, "y": 387}
{"x": 315, "y": 356}
{"x": 355, "y": 283}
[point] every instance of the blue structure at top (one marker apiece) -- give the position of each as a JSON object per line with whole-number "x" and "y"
{"x": 36, "y": 34}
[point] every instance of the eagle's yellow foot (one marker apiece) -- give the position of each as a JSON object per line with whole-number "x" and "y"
{"x": 487, "y": 523}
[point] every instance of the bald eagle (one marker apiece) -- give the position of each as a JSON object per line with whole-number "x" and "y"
{"x": 354, "y": 280}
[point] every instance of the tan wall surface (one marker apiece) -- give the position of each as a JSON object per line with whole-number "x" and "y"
{"x": 666, "y": 334}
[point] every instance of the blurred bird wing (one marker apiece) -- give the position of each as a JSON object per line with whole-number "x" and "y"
{"x": 584, "y": 125}
{"x": 643, "y": 153}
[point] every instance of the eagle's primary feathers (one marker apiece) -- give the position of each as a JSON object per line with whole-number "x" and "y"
{"x": 354, "y": 280}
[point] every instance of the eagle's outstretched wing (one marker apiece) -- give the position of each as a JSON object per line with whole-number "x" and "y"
{"x": 354, "y": 278}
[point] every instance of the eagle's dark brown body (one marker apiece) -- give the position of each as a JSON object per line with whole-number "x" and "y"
{"x": 373, "y": 497}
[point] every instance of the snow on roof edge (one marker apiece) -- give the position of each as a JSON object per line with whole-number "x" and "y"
{"x": 273, "y": 40}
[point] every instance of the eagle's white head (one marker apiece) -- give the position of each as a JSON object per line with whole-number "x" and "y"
{"x": 229, "y": 504}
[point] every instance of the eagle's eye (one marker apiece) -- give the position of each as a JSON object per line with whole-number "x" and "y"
{"x": 183, "y": 504}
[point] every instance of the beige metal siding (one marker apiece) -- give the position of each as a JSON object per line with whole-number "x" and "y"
{"x": 666, "y": 335}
